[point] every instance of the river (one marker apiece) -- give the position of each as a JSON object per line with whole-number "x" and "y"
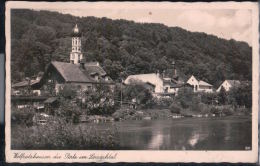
{"x": 223, "y": 133}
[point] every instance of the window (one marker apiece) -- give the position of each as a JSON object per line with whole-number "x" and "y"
{"x": 96, "y": 77}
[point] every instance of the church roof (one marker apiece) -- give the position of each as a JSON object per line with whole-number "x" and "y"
{"x": 74, "y": 73}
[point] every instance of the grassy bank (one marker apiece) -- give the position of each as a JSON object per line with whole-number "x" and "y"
{"x": 60, "y": 135}
{"x": 173, "y": 111}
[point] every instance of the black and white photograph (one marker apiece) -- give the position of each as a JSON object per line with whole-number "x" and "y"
{"x": 122, "y": 77}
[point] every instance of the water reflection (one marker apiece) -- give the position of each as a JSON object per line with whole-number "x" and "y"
{"x": 186, "y": 134}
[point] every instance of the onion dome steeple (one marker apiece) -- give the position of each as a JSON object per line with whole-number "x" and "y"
{"x": 76, "y": 57}
{"x": 76, "y": 32}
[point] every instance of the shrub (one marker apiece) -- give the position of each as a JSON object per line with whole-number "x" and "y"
{"x": 175, "y": 108}
{"x": 163, "y": 102}
{"x": 215, "y": 110}
{"x": 68, "y": 91}
{"x": 22, "y": 116}
{"x": 228, "y": 110}
{"x": 64, "y": 136}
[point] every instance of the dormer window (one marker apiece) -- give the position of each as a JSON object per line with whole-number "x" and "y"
{"x": 106, "y": 78}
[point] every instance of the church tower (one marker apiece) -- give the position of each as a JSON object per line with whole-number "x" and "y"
{"x": 76, "y": 57}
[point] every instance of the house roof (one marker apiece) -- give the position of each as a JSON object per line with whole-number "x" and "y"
{"x": 74, "y": 73}
{"x": 25, "y": 83}
{"x": 233, "y": 82}
{"x": 204, "y": 83}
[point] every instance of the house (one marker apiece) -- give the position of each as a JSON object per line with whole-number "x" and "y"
{"x": 83, "y": 76}
{"x": 165, "y": 84}
{"x": 199, "y": 85}
{"x": 228, "y": 84}
{"x": 27, "y": 87}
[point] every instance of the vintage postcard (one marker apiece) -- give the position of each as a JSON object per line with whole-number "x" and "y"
{"x": 131, "y": 82}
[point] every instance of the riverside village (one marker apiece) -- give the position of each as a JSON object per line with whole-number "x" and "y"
{"x": 75, "y": 103}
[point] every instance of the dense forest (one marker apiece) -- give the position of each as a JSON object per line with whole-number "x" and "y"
{"x": 123, "y": 47}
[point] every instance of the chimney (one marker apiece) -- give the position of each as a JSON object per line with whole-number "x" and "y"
{"x": 82, "y": 64}
{"x": 157, "y": 73}
{"x": 174, "y": 69}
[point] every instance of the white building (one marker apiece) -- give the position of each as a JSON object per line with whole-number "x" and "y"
{"x": 227, "y": 84}
{"x": 162, "y": 86}
{"x": 199, "y": 85}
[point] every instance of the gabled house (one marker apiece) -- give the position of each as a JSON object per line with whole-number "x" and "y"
{"x": 83, "y": 76}
{"x": 27, "y": 87}
{"x": 199, "y": 85}
{"x": 228, "y": 84}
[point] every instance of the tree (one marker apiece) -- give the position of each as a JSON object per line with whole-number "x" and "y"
{"x": 99, "y": 100}
{"x": 185, "y": 97}
{"x": 222, "y": 96}
{"x": 139, "y": 92}
{"x": 242, "y": 95}
{"x": 132, "y": 48}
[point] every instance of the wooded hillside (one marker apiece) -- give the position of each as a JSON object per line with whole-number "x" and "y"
{"x": 124, "y": 47}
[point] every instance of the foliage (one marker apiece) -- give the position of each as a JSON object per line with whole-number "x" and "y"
{"x": 175, "y": 108}
{"x": 124, "y": 47}
{"x": 163, "y": 102}
{"x": 185, "y": 97}
{"x": 68, "y": 110}
{"x": 139, "y": 92}
{"x": 209, "y": 98}
{"x": 61, "y": 135}
{"x": 222, "y": 96}
{"x": 22, "y": 116}
{"x": 68, "y": 91}
{"x": 132, "y": 114}
{"x": 241, "y": 95}
{"x": 99, "y": 100}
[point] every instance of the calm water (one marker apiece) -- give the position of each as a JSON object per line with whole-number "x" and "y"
{"x": 228, "y": 133}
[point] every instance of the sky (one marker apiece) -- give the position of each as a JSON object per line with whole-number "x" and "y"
{"x": 224, "y": 23}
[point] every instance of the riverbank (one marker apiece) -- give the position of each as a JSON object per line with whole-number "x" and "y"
{"x": 152, "y": 114}
{"x": 214, "y": 133}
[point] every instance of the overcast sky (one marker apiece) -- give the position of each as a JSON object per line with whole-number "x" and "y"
{"x": 224, "y": 23}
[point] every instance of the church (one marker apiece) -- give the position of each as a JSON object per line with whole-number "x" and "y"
{"x": 77, "y": 72}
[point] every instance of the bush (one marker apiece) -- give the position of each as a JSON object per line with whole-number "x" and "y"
{"x": 22, "y": 116}
{"x": 215, "y": 110}
{"x": 163, "y": 102}
{"x": 68, "y": 91}
{"x": 64, "y": 136}
{"x": 175, "y": 108}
